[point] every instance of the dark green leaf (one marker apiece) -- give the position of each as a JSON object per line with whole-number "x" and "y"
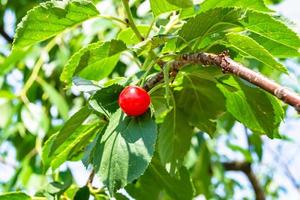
{"x": 51, "y": 18}
{"x": 95, "y": 61}
{"x": 174, "y": 137}
{"x": 125, "y": 149}
{"x": 201, "y": 171}
{"x": 199, "y": 98}
{"x": 212, "y": 21}
{"x": 156, "y": 179}
{"x": 82, "y": 194}
{"x": 105, "y": 100}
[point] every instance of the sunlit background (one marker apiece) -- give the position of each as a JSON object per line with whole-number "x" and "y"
{"x": 281, "y": 160}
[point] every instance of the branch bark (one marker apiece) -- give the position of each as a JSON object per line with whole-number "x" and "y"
{"x": 228, "y": 65}
{"x": 247, "y": 170}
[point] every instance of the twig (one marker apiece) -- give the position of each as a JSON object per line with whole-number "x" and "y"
{"x": 36, "y": 69}
{"x": 91, "y": 178}
{"x": 130, "y": 20}
{"x": 5, "y": 35}
{"x": 245, "y": 167}
{"x": 230, "y": 66}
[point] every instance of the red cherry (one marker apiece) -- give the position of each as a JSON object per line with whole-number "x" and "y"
{"x": 134, "y": 100}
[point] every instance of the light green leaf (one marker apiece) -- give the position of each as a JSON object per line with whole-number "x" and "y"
{"x": 244, "y": 151}
{"x": 174, "y": 138}
{"x": 129, "y": 37}
{"x": 273, "y": 34}
{"x": 95, "y": 61}
{"x": 181, "y": 3}
{"x": 15, "y": 196}
{"x": 6, "y": 108}
{"x": 212, "y": 21}
{"x": 258, "y": 5}
{"x": 160, "y": 106}
{"x": 10, "y": 61}
{"x": 250, "y": 48}
{"x": 274, "y": 47}
{"x": 105, "y": 100}
{"x": 51, "y": 18}
{"x": 199, "y": 98}
{"x": 124, "y": 151}
{"x": 70, "y": 127}
{"x": 161, "y": 6}
{"x": 256, "y": 109}
{"x": 56, "y": 99}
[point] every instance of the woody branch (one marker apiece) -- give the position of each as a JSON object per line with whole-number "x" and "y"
{"x": 230, "y": 66}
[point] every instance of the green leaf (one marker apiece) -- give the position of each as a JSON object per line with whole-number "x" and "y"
{"x": 199, "y": 98}
{"x": 56, "y": 99}
{"x": 245, "y": 152}
{"x": 201, "y": 171}
{"x": 105, "y": 100}
{"x": 84, "y": 85}
{"x": 178, "y": 189}
{"x": 212, "y": 21}
{"x": 250, "y": 48}
{"x": 51, "y": 18}
{"x": 181, "y": 4}
{"x": 124, "y": 151}
{"x": 70, "y": 126}
{"x": 161, "y": 6}
{"x": 96, "y": 61}
{"x": 174, "y": 138}
{"x": 273, "y": 34}
{"x": 82, "y": 194}
{"x": 129, "y": 37}
{"x": 160, "y": 106}
{"x": 6, "y": 108}
{"x": 15, "y": 196}
{"x": 258, "y": 5}
{"x": 256, "y": 145}
{"x": 10, "y": 61}
{"x": 156, "y": 179}
{"x": 256, "y": 109}
{"x": 72, "y": 147}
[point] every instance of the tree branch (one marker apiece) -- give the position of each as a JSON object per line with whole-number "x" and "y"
{"x": 228, "y": 65}
{"x": 5, "y": 35}
{"x": 246, "y": 169}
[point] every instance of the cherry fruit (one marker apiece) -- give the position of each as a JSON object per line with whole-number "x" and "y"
{"x": 134, "y": 100}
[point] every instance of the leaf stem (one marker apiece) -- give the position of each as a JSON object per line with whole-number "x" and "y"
{"x": 109, "y": 17}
